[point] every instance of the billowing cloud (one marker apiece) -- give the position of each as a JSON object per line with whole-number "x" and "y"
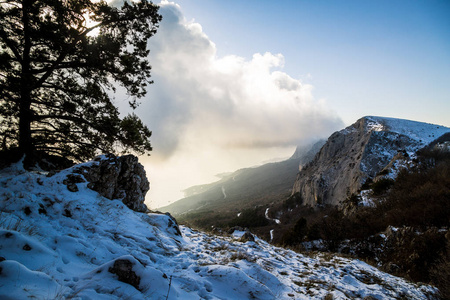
{"x": 213, "y": 114}
{"x": 228, "y": 101}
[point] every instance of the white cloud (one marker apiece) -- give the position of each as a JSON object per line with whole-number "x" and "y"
{"x": 203, "y": 103}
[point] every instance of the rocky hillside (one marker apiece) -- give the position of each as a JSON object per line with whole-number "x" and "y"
{"x": 61, "y": 239}
{"x": 359, "y": 153}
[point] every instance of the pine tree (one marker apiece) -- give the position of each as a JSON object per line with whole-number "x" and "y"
{"x": 60, "y": 63}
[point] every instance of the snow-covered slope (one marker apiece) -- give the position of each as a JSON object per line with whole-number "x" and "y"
{"x": 57, "y": 244}
{"x": 424, "y": 133}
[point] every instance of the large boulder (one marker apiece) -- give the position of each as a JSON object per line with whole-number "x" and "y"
{"x": 121, "y": 177}
{"x": 123, "y": 268}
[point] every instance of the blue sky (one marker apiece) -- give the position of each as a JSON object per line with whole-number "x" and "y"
{"x": 239, "y": 83}
{"x": 364, "y": 57}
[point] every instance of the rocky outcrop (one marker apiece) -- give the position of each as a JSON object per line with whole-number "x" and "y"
{"x": 358, "y": 153}
{"x": 247, "y": 237}
{"x": 120, "y": 177}
{"x": 123, "y": 268}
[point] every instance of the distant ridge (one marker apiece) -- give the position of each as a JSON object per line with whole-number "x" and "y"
{"x": 246, "y": 187}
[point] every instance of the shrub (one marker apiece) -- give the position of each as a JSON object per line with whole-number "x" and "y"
{"x": 440, "y": 274}
{"x": 414, "y": 254}
{"x": 293, "y": 201}
{"x": 367, "y": 184}
{"x": 384, "y": 172}
{"x": 353, "y": 200}
{"x": 296, "y": 234}
{"x": 334, "y": 228}
{"x": 420, "y": 198}
{"x": 381, "y": 186}
{"x": 250, "y": 218}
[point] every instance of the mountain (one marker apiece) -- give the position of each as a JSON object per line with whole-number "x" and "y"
{"x": 357, "y": 154}
{"x": 242, "y": 189}
{"x": 60, "y": 239}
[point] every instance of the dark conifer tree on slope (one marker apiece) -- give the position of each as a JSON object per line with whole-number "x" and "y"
{"x": 59, "y": 63}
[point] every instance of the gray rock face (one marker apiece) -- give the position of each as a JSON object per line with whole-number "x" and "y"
{"x": 120, "y": 177}
{"x": 350, "y": 157}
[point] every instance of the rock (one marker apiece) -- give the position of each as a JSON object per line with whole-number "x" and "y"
{"x": 123, "y": 268}
{"x": 72, "y": 187}
{"x": 172, "y": 223}
{"x": 67, "y": 213}
{"x": 349, "y": 158}
{"x": 235, "y": 228}
{"x": 71, "y": 181}
{"x": 247, "y": 237}
{"x": 51, "y": 173}
{"x": 27, "y": 210}
{"x": 217, "y": 231}
{"x": 120, "y": 177}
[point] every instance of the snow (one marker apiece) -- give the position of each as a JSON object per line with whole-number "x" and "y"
{"x": 237, "y": 234}
{"x": 269, "y": 218}
{"x": 415, "y": 136}
{"x": 365, "y": 199}
{"x": 56, "y": 244}
{"x": 399, "y": 165}
{"x": 223, "y": 192}
{"x": 423, "y": 133}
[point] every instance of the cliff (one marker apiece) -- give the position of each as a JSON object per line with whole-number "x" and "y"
{"x": 358, "y": 153}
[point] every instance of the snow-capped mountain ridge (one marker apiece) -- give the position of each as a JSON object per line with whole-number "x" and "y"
{"x": 59, "y": 244}
{"x": 358, "y": 153}
{"x": 424, "y": 133}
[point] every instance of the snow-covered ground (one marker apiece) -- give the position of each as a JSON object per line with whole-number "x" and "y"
{"x": 56, "y": 244}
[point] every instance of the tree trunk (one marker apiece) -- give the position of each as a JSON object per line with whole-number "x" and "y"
{"x": 25, "y": 117}
{"x": 25, "y": 113}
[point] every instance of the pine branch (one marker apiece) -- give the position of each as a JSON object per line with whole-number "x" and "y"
{"x": 10, "y": 44}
